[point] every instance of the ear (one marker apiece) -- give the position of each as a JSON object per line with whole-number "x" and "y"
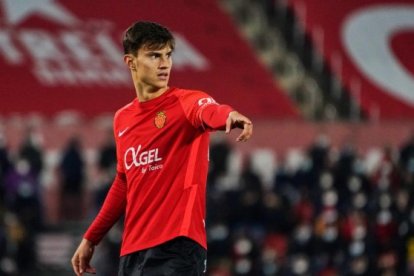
{"x": 129, "y": 61}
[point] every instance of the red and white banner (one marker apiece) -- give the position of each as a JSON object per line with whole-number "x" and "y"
{"x": 369, "y": 44}
{"x": 66, "y": 55}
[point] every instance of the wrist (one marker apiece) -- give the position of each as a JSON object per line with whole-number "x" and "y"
{"x": 232, "y": 112}
{"x": 88, "y": 242}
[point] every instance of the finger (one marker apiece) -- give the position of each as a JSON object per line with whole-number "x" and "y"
{"x": 76, "y": 270}
{"x": 249, "y": 130}
{"x": 242, "y": 137}
{"x": 90, "y": 270}
{"x": 75, "y": 265}
{"x": 246, "y": 133}
{"x": 83, "y": 264}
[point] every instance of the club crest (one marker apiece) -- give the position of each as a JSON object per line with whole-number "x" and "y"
{"x": 160, "y": 119}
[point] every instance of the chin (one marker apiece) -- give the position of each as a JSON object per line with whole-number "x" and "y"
{"x": 158, "y": 87}
{"x": 163, "y": 84}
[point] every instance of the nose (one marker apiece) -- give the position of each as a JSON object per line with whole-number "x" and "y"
{"x": 165, "y": 62}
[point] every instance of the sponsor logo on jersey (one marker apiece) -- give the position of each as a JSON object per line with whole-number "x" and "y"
{"x": 160, "y": 119}
{"x": 134, "y": 157}
{"x": 206, "y": 101}
{"x": 150, "y": 168}
{"x": 122, "y": 132}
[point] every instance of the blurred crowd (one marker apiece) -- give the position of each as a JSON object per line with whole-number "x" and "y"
{"x": 327, "y": 214}
{"x": 20, "y": 205}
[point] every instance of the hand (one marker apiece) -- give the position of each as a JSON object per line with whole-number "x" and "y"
{"x": 82, "y": 257}
{"x": 238, "y": 120}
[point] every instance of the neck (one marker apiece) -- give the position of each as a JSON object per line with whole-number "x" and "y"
{"x": 146, "y": 93}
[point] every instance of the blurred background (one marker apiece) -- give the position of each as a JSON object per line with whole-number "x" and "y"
{"x": 325, "y": 187}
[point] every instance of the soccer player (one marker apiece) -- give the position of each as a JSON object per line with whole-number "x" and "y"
{"x": 162, "y": 140}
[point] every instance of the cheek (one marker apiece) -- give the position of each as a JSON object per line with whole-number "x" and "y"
{"x": 148, "y": 67}
{"x": 144, "y": 69}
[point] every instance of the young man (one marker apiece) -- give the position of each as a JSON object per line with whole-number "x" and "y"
{"x": 162, "y": 140}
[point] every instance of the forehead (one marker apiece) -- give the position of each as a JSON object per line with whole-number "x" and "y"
{"x": 155, "y": 48}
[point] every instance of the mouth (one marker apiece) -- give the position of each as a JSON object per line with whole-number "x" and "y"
{"x": 162, "y": 76}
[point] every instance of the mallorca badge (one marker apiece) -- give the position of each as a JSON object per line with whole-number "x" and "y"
{"x": 160, "y": 119}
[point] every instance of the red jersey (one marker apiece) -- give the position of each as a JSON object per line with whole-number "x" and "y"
{"x": 162, "y": 165}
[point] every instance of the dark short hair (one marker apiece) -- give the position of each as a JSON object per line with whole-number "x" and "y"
{"x": 148, "y": 34}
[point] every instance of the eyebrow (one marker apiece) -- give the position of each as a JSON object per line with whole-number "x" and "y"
{"x": 151, "y": 52}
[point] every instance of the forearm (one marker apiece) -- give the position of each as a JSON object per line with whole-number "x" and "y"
{"x": 215, "y": 116}
{"x": 111, "y": 211}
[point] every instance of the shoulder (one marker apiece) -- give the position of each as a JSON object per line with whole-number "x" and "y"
{"x": 190, "y": 94}
{"x": 121, "y": 112}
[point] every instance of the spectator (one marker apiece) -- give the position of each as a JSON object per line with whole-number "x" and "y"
{"x": 319, "y": 154}
{"x": 406, "y": 162}
{"x": 23, "y": 200}
{"x": 72, "y": 175}
{"x": 31, "y": 151}
{"x": 106, "y": 168}
{"x": 107, "y": 153}
{"x": 22, "y": 194}
{"x": 219, "y": 156}
{"x": 4, "y": 166}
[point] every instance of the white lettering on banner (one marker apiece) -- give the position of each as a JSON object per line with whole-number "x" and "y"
{"x": 10, "y": 52}
{"x": 16, "y": 11}
{"x": 188, "y": 56}
{"x": 134, "y": 157}
{"x": 367, "y": 34}
{"x": 83, "y": 53}
{"x": 107, "y": 46}
{"x": 78, "y": 63}
{"x": 205, "y": 101}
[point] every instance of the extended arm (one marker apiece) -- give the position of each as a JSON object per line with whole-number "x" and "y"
{"x": 223, "y": 117}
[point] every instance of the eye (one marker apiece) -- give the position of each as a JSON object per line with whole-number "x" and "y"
{"x": 153, "y": 55}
